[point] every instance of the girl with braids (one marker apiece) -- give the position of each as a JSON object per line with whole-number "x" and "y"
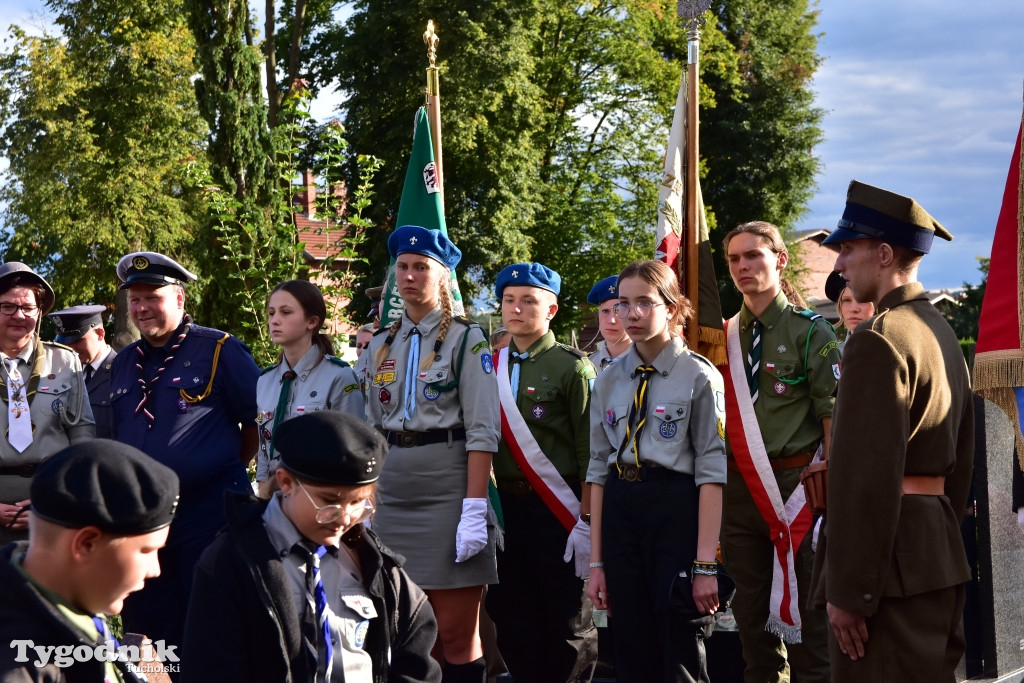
{"x": 307, "y": 375}
{"x": 432, "y": 393}
{"x": 657, "y": 469}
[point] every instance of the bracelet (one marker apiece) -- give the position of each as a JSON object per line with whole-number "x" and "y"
{"x": 699, "y": 570}
{"x": 597, "y": 565}
{"x": 699, "y": 563}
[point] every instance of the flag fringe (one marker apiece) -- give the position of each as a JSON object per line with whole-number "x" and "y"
{"x": 787, "y": 632}
{"x": 712, "y": 345}
{"x": 1005, "y": 399}
{"x": 998, "y": 369}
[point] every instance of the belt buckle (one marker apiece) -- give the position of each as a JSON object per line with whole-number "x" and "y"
{"x": 26, "y": 471}
{"x": 630, "y": 473}
{"x": 407, "y": 439}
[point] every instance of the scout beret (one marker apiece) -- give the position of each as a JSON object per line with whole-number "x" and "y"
{"x": 412, "y": 239}
{"x": 834, "y": 286}
{"x": 872, "y": 212}
{"x": 373, "y": 293}
{"x": 607, "y": 288}
{"x": 151, "y": 268}
{"x": 331, "y": 447}
{"x": 72, "y": 323}
{"x": 528, "y": 275}
{"x": 106, "y": 484}
{"x": 12, "y": 269}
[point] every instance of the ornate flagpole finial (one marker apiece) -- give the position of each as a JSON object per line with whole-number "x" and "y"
{"x": 691, "y": 12}
{"x": 430, "y": 39}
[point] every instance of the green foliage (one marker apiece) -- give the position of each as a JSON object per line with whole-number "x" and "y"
{"x": 964, "y": 318}
{"x": 97, "y": 123}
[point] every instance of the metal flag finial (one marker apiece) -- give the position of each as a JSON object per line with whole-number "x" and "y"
{"x": 430, "y": 39}
{"x": 691, "y": 12}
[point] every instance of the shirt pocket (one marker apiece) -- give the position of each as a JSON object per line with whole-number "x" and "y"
{"x": 53, "y": 396}
{"x": 436, "y": 383}
{"x": 541, "y": 399}
{"x": 668, "y": 421}
{"x": 780, "y": 372}
{"x": 192, "y": 386}
{"x": 356, "y": 612}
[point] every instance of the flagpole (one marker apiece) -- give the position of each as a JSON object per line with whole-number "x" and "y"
{"x": 691, "y": 12}
{"x": 433, "y": 102}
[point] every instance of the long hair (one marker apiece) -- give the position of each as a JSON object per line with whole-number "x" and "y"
{"x": 444, "y": 297}
{"x": 658, "y": 275}
{"x": 771, "y": 237}
{"x": 311, "y": 300}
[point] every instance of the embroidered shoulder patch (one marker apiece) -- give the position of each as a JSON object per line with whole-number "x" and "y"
{"x": 832, "y": 345}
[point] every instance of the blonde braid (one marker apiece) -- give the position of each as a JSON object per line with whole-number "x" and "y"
{"x": 445, "y": 296}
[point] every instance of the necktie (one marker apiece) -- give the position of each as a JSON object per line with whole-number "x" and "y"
{"x": 412, "y": 370}
{"x": 19, "y": 424}
{"x": 282, "y": 406}
{"x": 754, "y": 360}
{"x": 88, "y": 372}
{"x": 316, "y": 627}
{"x": 637, "y": 417}
{"x": 517, "y": 360}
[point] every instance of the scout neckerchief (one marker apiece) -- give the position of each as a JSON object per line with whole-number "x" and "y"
{"x": 787, "y": 523}
{"x": 637, "y": 417}
{"x": 540, "y": 472}
{"x": 316, "y": 622}
{"x": 147, "y": 387}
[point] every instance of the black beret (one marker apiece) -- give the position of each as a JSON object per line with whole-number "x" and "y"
{"x": 106, "y": 484}
{"x": 332, "y": 448}
{"x": 834, "y": 286}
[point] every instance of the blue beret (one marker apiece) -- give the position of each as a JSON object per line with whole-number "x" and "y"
{"x": 106, "y": 484}
{"x": 874, "y": 213}
{"x": 607, "y": 288}
{"x": 151, "y": 268}
{"x": 72, "y": 323}
{"x": 331, "y": 447}
{"x": 528, "y": 275}
{"x": 412, "y": 239}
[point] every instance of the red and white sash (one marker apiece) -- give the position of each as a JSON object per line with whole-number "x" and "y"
{"x": 539, "y": 470}
{"x": 787, "y": 523}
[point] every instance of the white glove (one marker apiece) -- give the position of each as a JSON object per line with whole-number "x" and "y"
{"x": 1020, "y": 518}
{"x": 471, "y": 536}
{"x": 579, "y": 545}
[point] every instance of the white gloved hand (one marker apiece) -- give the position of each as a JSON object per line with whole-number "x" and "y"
{"x": 471, "y": 536}
{"x": 579, "y": 545}
{"x": 1020, "y": 519}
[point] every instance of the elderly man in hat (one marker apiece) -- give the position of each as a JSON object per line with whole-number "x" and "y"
{"x": 43, "y": 390}
{"x": 100, "y": 512}
{"x": 186, "y": 396}
{"x": 894, "y": 563}
{"x": 81, "y": 328}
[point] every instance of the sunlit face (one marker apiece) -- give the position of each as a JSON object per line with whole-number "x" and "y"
{"x": 156, "y": 310}
{"x": 610, "y": 326}
{"x": 637, "y": 296}
{"x": 301, "y": 501}
{"x": 287, "y": 320}
{"x": 755, "y": 269}
{"x": 118, "y": 566}
{"x": 527, "y": 311}
{"x": 858, "y": 264}
{"x": 418, "y": 278}
{"x": 16, "y": 329}
{"x": 852, "y": 312}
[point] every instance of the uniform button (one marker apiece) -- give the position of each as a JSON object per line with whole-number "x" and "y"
{"x": 866, "y": 597}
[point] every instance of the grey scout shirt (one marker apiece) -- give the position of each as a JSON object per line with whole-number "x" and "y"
{"x": 320, "y": 384}
{"x": 685, "y": 428}
{"x": 472, "y": 403}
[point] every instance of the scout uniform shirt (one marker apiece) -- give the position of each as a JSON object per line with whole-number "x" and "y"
{"x": 457, "y": 390}
{"x": 684, "y": 429}
{"x": 554, "y": 397}
{"x": 98, "y": 386}
{"x": 321, "y": 383}
{"x": 601, "y": 358}
{"x": 351, "y": 607}
{"x": 788, "y": 427}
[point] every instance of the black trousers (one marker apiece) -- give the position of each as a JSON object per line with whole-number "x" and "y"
{"x": 544, "y": 620}
{"x": 649, "y": 534}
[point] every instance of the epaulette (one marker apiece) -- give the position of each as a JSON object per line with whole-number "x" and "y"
{"x": 205, "y": 332}
{"x": 812, "y": 316}
{"x": 468, "y": 322}
{"x": 571, "y": 349}
{"x": 269, "y": 368}
{"x": 337, "y": 361}
{"x": 702, "y": 360}
{"x": 59, "y": 346}
{"x": 382, "y": 329}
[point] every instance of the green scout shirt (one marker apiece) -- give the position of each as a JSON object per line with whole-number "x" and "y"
{"x": 554, "y": 398}
{"x": 790, "y": 414}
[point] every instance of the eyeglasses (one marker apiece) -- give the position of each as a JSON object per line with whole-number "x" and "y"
{"x": 328, "y": 514}
{"x": 642, "y": 308}
{"x": 28, "y": 310}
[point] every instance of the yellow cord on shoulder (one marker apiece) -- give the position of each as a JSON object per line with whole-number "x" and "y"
{"x": 213, "y": 373}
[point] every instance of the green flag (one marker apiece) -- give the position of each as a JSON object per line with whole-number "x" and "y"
{"x": 421, "y": 205}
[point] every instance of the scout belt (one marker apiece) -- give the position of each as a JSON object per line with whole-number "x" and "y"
{"x": 26, "y": 470}
{"x": 413, "y": 439}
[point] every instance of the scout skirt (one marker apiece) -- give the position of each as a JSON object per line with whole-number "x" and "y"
{"x": 419, "y": 505}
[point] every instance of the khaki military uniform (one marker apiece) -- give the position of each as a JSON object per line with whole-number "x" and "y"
{"x": 789, "y": 414}
{"x": 904, "y": 409}
{"x": 545, "y": 627}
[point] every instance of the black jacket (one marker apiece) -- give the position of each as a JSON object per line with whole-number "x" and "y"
{"x": 243, "y": 626}
{"x": 26, "y": 615}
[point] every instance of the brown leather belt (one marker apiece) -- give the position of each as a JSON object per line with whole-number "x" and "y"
{"x": 413, "y": 439}
{"x": 790, "y": 462}
{"x": 922, "y": 485}
{"x": 20, "y": 470}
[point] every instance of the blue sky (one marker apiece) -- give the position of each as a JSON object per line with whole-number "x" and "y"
{"x": 922, "y": 97}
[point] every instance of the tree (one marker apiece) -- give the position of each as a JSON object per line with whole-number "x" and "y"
{"x": 964, "y": 318}
{"x": 98, "y": 122}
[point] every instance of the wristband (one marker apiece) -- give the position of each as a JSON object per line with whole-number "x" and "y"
{"x": 597, "y": 565}
{"x": 701, "y": 570}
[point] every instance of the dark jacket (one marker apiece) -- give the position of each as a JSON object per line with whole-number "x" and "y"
{"x": 243, "y": 626}
{"x": 26, "y": 615}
